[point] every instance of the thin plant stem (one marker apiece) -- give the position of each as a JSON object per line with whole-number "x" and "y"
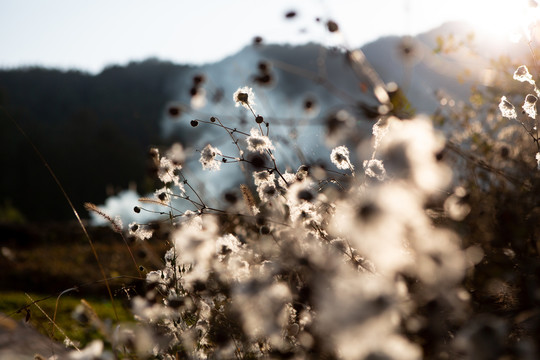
{"x": 52, "y": 321}
{"x": 56, "y": 306}
{"x": 68, "y": 199}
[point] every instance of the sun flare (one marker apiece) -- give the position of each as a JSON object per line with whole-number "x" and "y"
{"x": 510, "y": 19}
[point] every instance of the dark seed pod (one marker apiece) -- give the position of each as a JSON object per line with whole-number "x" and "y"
{"x": 305, "y": 195}
{"x": 259, "y": 119}
{"x": 194, "y": 123}
{"x": 309, "y": 104}
{"x": 176, "y": 302}
{"x": 198, "y": 79}
{"x": 257, "y": 160}
{"x": 231, "y": 197}
{"x": 199, "y": 286}
{"x": 260, "y": 220}
{"x": 262, "y": 66}
{"x": 265, "y": 230}
{"x": 290, "y": 14}
{"x": 263, "y": 79}
{"x": 368, "y": 211}
{"x": 174, "y": 111}
{"x": 242, "y": 97}
{"x": 137, "y": 209}
{"x": 332, "y": 26}
{"x": 153, "y": 152}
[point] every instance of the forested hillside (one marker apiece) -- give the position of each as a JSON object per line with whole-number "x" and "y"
{"x": 94, "y": 130}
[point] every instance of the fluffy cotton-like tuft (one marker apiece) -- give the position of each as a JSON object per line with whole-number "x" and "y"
{"x": 340, "y": 158}
{"x": 374, "y": 168}
{"x": 507, "y": 109}
{"x": 244, "y": 97}
{"x": 264, "y": 176}
{"x": 409, "y": 151}
{"x": 379, "y": 131}
{"x": 139, "y": 231}
{"x": 208, "y": 158}
{"x": 529, "y": 106}
{"x": 165, "y": 171}
{"x": 259, "y": 143}
{"x": 522, "y": 74}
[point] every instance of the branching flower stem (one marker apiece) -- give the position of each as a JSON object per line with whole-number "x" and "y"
{"x": 535, "y": 138}
{"x": 186, "y": 182}
{"x": 231, "y": 131}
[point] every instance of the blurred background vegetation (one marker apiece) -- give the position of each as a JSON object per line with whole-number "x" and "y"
{"x": 94, "y": 130}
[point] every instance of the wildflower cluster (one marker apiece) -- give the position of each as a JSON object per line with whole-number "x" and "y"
{"x": 305, "y": 263}
{"x": 394, "y": 256}
{"x": 508, "y": 110}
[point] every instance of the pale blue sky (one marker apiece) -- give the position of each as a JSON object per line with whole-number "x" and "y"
{"x": 89, "y": 35}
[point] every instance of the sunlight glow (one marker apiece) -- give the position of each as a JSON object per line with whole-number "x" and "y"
{"x": 100, "y": 33}
{"x": 511, "y": 20}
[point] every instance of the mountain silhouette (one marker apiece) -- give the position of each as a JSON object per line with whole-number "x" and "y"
{"x": 95, "y": 130}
